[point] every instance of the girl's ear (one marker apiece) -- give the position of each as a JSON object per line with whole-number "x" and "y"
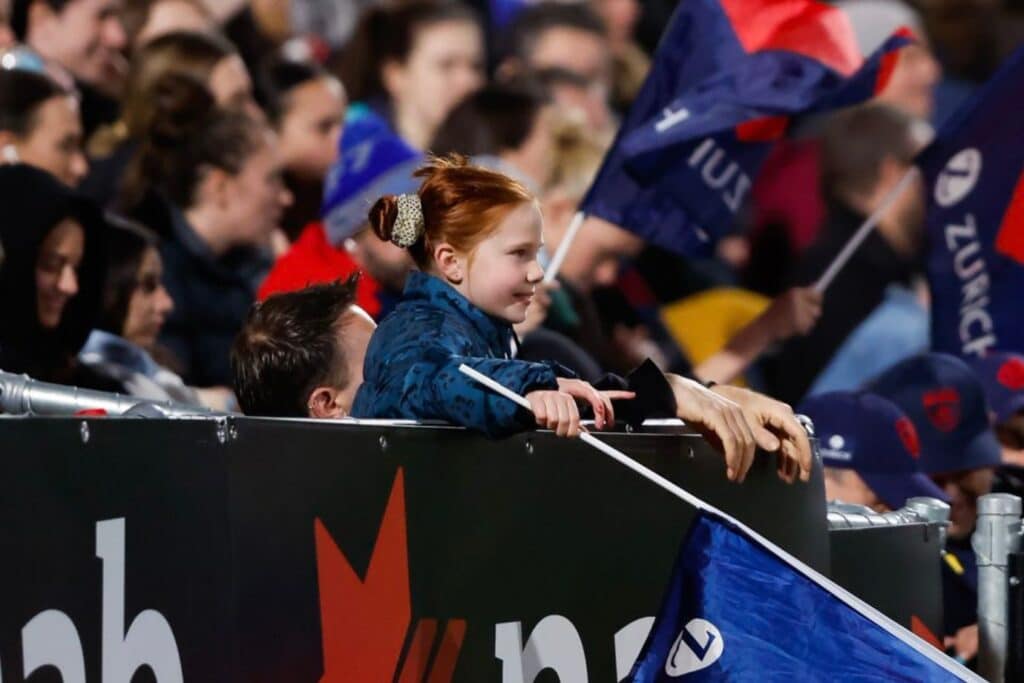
{"x": 449, "y": 263}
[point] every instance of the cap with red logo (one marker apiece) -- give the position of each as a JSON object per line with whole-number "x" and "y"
{"x": 870, "y": 435}
{"x": 945, "y": 400}
{"x": 1002, "y": 375}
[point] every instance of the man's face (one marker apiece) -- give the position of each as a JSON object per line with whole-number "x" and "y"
{"x": 964, "y": 489}
{"x": 847, "y": 486}
{"x": 581, "y": 52}
{"x": 354, "y": 332}
{"x": 85, "y": 37}
{"x": 386, "y": 263}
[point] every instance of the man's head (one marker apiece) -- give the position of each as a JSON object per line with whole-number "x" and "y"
{"x": 946, "y": 402}
{"x": 560, "y": 35}
{"x": 870, "y": 450}
{"x": 865, "y": 152}
{"x": 1002, "y": 375}
{"x": 84, "y": 36}
{"x": 300, "y": 354}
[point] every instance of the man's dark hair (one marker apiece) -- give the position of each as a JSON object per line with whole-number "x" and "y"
{"x": 21, "y": 94}
{"x": 19, "y": 14}
{"x": 490, "y": 121}
{"x": 288, "y": 347}
{"x": 531, "y": 22}
{"x": 855, "y": 144}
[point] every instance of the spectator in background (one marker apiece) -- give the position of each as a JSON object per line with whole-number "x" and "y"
{"x": 787, "y": 215}
{"x": 7, "y": 38}
{"x": 209, "y": 59}
{"x": 306, "y": 106}
{"x": 1002, "y": 375}
{"x": 52, "y": 278}
{"x": 508, "y": 128}
{"x": 135, "y": 306}
{"x": 219, "y": 173}
{"x": 865, "y": 152}
{"x": 414, "y": 62}
{"x": 86, "y": 38}
{"x": 870, "y": 450}
{"x": 146, "y": 20}
{"x": 300, "y": 353}
{"x": 40, "y": 125}
{"x": 561, "y": 38}
{"x": 946, "y": 402}
{"x": 578, "y": 100}
{"x": 630, "y": 63}
{"x": 373, "y": 160}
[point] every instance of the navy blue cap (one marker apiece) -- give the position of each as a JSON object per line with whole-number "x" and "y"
{"x": 1002, "y": 376}
{"x": 870, "y": 435}
{"x": 946, "y": 402}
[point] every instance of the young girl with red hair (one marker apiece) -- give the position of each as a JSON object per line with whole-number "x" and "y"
{"x": 475, "y": 235}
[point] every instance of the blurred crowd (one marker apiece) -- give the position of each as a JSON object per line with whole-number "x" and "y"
{"x": 164, "y": 164}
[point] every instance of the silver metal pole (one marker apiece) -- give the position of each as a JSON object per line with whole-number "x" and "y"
{"x": 22, "y": 395}
{"x": 997, "y": 534}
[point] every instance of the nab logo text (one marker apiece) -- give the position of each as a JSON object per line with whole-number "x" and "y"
{"x": 958, "y": 178}
{"x": 50, "y": 639}
{"x": 698, "y": 646}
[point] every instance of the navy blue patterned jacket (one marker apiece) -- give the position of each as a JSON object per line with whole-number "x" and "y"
{"x": 412, "y": 363}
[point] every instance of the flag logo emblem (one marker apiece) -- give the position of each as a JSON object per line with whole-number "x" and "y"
{"x": 958, "y": 178}
{"x": 698, "y": 646}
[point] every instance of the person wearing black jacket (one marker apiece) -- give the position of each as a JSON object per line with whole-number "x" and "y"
{"x": 866, "y": 152}
{"x": 52, "y": 279}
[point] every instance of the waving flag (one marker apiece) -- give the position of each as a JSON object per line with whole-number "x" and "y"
{"x": 974, "y": 174}
{"x": 727, "y": 78}
{"x": 740, "y": 610}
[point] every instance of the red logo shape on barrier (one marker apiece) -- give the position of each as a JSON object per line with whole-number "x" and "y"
{"x": 908, "y": 435}
{"x": 923, "y": 632}
{"x": 1011, "y": 374}
{"x": 365, "y": 621}
{"x": 942, "y": 406}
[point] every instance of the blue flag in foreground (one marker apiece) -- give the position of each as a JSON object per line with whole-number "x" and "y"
{"x": 974, "y": 175}
{"x": 737, "y": 611}
{"x": 726, "y": 80}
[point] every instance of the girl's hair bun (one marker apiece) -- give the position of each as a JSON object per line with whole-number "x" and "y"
{"x": 383, "y": 215}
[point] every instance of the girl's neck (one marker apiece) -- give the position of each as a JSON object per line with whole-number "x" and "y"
{"x": 206, "y": 226}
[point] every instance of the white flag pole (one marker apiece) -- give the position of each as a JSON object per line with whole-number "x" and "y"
{"x": 890, "y": 626}
{"x": 551, "y": 272}
{"x": 863, "y": 231}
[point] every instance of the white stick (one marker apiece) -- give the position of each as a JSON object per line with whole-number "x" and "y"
{"x": 894, "y": 629}
{"x": 863, "y": 231}
{"x": 592, "y": 440}
{"x": 556, "y": 261}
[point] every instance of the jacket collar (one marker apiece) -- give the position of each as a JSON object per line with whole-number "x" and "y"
{"x": 496, "y": 333}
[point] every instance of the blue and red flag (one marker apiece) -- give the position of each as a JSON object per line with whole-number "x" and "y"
{"x": 727, "y": 79}
{"x": 974, "y": 178}
{"x": 738, "y": 609}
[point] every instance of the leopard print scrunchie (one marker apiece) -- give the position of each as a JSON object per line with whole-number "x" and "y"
{"x": 409, "y": 221}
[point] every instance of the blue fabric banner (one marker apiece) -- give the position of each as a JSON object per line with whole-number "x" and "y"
{"x": 974, "y": 177}
{"x": 737, "y": 611}
{"x": 727, "y": 79}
